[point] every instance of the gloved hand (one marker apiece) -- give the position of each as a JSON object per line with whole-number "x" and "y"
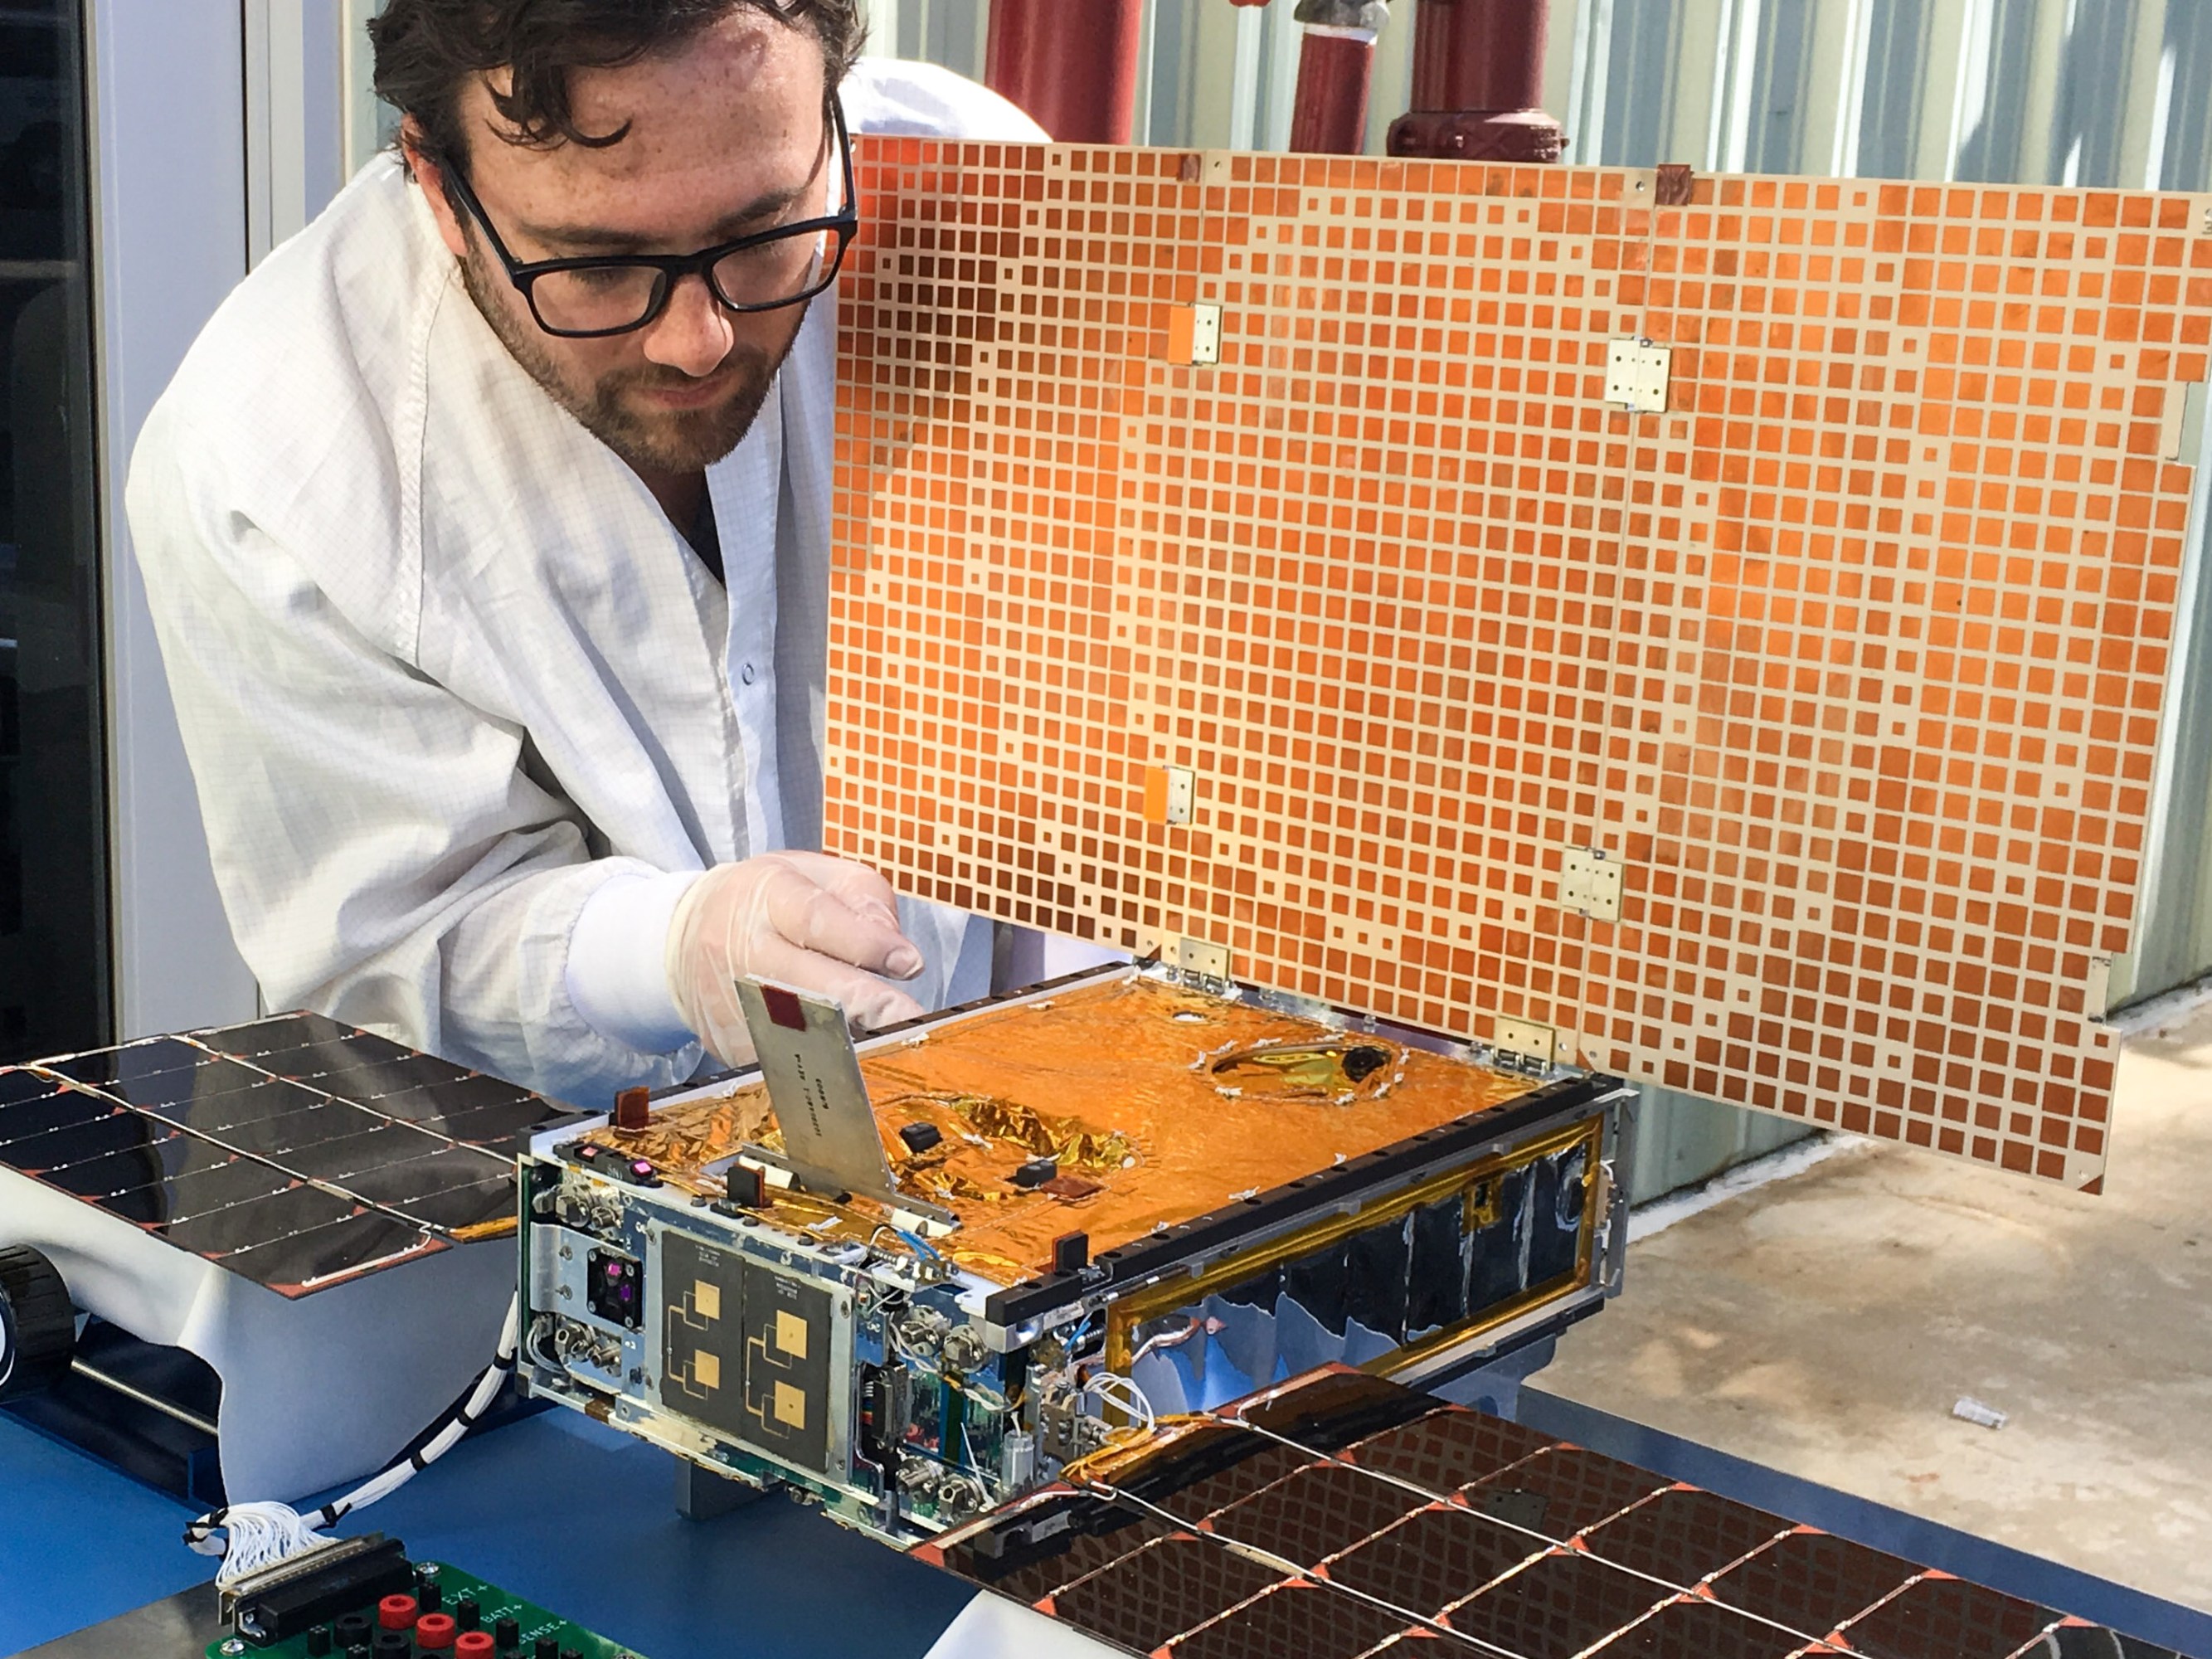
{"x": 804, "y": 919}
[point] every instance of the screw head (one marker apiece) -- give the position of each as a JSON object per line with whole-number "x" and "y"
{"x": 232, "y": 1646}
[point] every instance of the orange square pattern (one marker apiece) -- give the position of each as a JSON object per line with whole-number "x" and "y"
{"x": 1852, "y": 658}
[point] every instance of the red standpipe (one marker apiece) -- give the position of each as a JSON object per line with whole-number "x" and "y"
{"x": 1478, "y": 83}
{"x": 1070, "y": 64}
{"x": 1336, "y": 65}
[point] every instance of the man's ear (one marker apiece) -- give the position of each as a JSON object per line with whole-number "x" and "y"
{"x": 431, "y": 177}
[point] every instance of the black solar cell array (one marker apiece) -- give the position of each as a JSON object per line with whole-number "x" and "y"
{"x": 295, "y": 1151}
{"x": 1345, "y": 1516}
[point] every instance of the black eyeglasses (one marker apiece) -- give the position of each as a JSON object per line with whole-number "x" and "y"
{"x": 585, "y": 299}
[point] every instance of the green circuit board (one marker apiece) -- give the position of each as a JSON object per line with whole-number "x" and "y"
{"x": 493, "y": 1604}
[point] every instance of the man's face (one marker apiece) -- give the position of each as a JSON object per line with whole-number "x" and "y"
{"x": 727, "y": 135}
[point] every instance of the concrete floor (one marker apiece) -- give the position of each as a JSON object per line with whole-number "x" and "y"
{"x": 1826, "y": 1323}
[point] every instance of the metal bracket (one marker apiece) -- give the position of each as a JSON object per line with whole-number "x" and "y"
{"x": 2097, "y": 992}
{"x": 1525, "y": 1038}
{"x": 1636, "y": 375}
{"x": 1590, "y": 882}
{"x": 1194, "y": 333}
{"x": 1200, "y": 960}
{"x": 1171, "y": 794}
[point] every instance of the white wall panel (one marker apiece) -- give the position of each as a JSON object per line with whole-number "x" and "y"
{"x": 170, "y": 228}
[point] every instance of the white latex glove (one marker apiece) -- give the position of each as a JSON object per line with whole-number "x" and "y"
{"x": 803, "y": 919}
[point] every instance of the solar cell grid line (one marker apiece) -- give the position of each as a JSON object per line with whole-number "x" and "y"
{"x": 1813, "y": 1580}
{"x": 1301, "y": 1617}
{"x": 1425, "y": 1561}
{"x": 312, "y": 1129}
{"x": 1100, "y": 1596}
{"x": 1446, "y": 1449}
{"x": 1163, "y": 1590}
{"x": 1650, "y": 1527}
{"x": 1278, "y": 1555}
{"x": 1552, "y": 1492}
{"x": 1558, "y": 1606}
{"x": 302, "y": 1263}
{"x": 123, "y": 1127}
{"x": 1443, "y": 1556}
{"x": 1939, "y": 1617}
{"x": 1675, "y": 1572}
{"x": 1688, "y": 1627}
{"x": 1315, "y": 1513}
{"x": 1683, "y": 1535}
{"x": 1059, "y": 1535}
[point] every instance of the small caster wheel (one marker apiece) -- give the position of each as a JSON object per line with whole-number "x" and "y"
{"x": 38, "y": 1326}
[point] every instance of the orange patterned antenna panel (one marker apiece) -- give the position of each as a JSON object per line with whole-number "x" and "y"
{"x": 1770, "y": 714}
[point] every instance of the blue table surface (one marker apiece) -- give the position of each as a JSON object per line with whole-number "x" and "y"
{"x": 582, "y": 1519}
{"x": 573, "y": 1516}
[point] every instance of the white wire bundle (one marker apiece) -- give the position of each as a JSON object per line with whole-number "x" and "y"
{"x": 1132, "y": 1401}
{"x": 258, "y": 1535}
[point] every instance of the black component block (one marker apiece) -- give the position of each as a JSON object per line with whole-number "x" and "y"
{"x": 615, "y": 1289}
{"x": 292, "y": 1598}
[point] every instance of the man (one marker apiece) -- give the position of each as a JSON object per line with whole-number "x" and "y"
{"x": 486, "y": 532}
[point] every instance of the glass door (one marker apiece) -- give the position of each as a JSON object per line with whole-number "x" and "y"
{"x": 53, "y": 865}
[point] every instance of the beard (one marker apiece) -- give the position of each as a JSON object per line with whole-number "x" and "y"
{"x": 668, "y": 441}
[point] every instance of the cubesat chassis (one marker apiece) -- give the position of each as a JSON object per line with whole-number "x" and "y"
{"x": 904, "y": 1394}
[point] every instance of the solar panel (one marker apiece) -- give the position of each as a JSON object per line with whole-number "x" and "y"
{"x": 1344, "y": 1516}
{"x": 295, "y": 1151}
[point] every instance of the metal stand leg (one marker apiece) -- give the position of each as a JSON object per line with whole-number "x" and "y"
{"x": 701, "y": 1494}
{"x": 1496, "y": 1388}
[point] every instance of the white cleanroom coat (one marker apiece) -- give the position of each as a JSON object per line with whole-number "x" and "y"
{"x": 443, "y": 665}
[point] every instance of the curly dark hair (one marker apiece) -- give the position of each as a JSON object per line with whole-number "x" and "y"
{"x": 426, "y": 50}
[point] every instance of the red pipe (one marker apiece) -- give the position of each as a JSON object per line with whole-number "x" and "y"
{"x": 1071, "y": 64}
{"x": 1478, "y": 83}
{"x": 1330, "y": 116}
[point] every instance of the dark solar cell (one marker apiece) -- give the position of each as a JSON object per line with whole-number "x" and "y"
{"x": 1445, "y": 1449}
{"x": 1300, "y": 1618}
{"x": 1622, "y": 1589}
{"x": 270, "y": 1217}
{"x": 1691, "y": 1628}
{"x": 210, "y": 1139}
{"x": 85, "y": 1130}
{"x": 1683, "y": 1535}
{"x": 1330, "y": 1411}
{"x": 359, "y": 1054}
{"x": 100, "y": 1178}
{"x": 1947, "y": 1618}
{"x": 317, "y": 1125}
{"x": 2076, "y": 1641}
{"x": 1431, "y": 1559}
{"x": 1812, "y": 1582}
{"x": 293, "y": 1266}
{"x": 426, "y": 1083}
{"x": 1555, "y": 1608}
{"x": 1315, "y": 1513}
{"x": 1080, "y": 1535}
{"x": 275, "y": 1033}
{"x": 18, "y": 1085}
{"x": 1214, "y": 1471}
{"x": 1161, "y": 1591}
{"x": 504, "y": 1127}
{"x": 1559, "y": 1493}
{"x": 211, "y": 1179}
{"x": 34, "y": 1114}
{"x": 220, "y": 1114}
{"x": 133, "y": 1062}
{"x": 452, "y": 1207}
